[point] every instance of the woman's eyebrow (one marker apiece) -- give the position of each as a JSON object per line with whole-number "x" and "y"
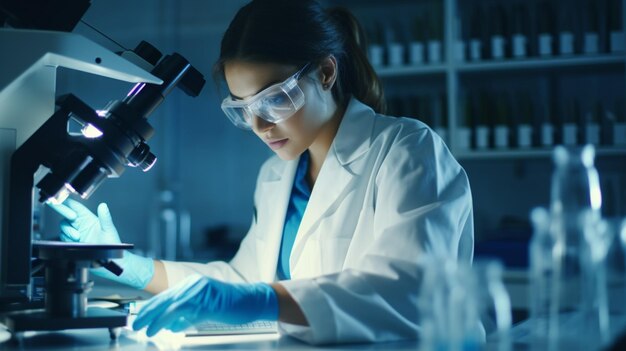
{"x": 235, "y": 97}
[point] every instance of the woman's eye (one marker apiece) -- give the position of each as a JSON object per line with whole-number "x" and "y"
{"x": 277, "y": 100}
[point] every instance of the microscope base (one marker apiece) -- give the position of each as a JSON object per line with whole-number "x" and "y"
{"x": 40, "y": 320}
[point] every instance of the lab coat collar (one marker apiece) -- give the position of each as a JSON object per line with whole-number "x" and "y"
{"x": 351, "y": 142}
{"x": 339, "y": 171}
{"x": 353, "y": 137}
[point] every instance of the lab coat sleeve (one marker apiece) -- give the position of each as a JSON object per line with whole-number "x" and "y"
{"x": 422, "y": 206}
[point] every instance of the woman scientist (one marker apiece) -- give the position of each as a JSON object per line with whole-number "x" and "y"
{"x": 342, "y": 215}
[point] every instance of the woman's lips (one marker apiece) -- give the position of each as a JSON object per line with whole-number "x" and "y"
{"x": 277, "y": 144}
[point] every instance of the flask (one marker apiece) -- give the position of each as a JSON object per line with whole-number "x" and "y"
{"x": 579, "y": 299}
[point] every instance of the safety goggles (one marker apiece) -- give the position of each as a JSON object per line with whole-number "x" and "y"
{"x": 273, "y": 104}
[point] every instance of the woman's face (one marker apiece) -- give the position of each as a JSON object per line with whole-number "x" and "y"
{"x": 289, "y": 138}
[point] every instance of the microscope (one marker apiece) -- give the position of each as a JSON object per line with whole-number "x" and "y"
{"x": 41, "y": 161}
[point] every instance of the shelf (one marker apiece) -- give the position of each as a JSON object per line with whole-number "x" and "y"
{"x": 528, "y": 153}
{"x": 425, "y": 69}
{"x": 510, "y": 65}
{"x": 554, "y": 62}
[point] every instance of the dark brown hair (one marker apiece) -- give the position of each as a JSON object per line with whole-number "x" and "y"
{"x": 300, "y": 31}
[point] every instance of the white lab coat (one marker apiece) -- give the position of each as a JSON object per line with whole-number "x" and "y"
{"x": 388, "y": 193}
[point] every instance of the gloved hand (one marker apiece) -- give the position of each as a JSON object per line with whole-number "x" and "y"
{"x": 81, "y": 225}
{"x": 199, "y": 298}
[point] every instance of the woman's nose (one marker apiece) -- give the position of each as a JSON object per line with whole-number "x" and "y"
{"x": 260, "y": 125}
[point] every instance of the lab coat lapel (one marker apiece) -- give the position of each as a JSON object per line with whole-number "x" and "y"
{"x": 338, "y": 171}
{"x": 276, "y": 190}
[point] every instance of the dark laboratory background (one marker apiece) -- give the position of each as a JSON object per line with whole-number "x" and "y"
{"x": 502, "y": 81}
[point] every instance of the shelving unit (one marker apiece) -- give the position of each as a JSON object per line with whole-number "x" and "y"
{"x": 453, "y": 75}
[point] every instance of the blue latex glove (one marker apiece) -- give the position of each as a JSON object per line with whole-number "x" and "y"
{"x": 81, "y": 225}
{"x": 198, "y": 299}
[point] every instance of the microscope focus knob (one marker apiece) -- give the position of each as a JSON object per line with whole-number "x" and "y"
{"x": 142, "y": 157}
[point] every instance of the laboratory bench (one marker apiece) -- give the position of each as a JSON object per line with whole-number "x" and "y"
{"x": 99, "y": 338}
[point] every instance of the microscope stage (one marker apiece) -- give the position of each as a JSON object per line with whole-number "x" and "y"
{"x": 40, "y": 320}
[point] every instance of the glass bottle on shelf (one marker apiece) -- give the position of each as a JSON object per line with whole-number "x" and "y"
{"x": 607, "y": 124}
{"x": 497, "y": 31}
{"x": 375, "y": 50}
{"x": 501, "y": 129}
{"x": 521, "y": 29}
{"x": 617, "y": 38}
{"x": 435, "y": 32}
{"x": 395, "y": 47}
{"x": 416, "y": 46}
{"x": 589, "y": 132}
{"x": 566, "y": 30}
{"x": 619, "y": 127}
{"x": 525, "y": 111}
{"x": 481, "y": 129}
{"x": 591, "y": 36}
{"x": 476, "y": 33}
{"x": 463, "y": 131}
{"x": 545, "y": 33}
{"x": 570, "y": 115}
{"x": 545, "y": 124}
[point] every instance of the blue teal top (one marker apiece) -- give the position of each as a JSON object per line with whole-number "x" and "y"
{"x": 300, "y": 194}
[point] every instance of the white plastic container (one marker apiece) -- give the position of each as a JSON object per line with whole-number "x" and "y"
{"x": 475, "y": 48}
{"x": 524, "y": 136}
{"x": 547, "y": 134}
{"x": 497, "y": 47}
{"x": 545, "y": 44}
{"x": 481, "y": 137}
{"x": 592, "y": 133}
{"x": 570, "y": 131}
{"x": 375, "y": 53}
{"x": 416, "y": 53}
{"x": 619, "y": 134}
{"x": 519, "y": 46}
{"x": 501, "y": 136}
{"x": 434, "y": 51}
{"x": 618, "y": 42}
{"x": 591, "y": 43}
{"x": 395, "y": 54}
{"x": 463, "y": 138}
{"x": 566, "y": 43}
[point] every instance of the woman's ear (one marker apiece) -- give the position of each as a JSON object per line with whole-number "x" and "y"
{"x": 328, "y": 70}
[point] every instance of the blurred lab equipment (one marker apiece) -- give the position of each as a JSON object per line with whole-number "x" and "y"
{"x": 463, "y": 307}
{"x": 569, "y": 300}
{"x": 36, "y": 150}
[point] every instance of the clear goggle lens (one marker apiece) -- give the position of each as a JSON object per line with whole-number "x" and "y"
{"x": 274, "y": 104}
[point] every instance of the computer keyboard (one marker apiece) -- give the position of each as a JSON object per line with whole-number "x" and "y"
{"x": 211, "y": 328}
